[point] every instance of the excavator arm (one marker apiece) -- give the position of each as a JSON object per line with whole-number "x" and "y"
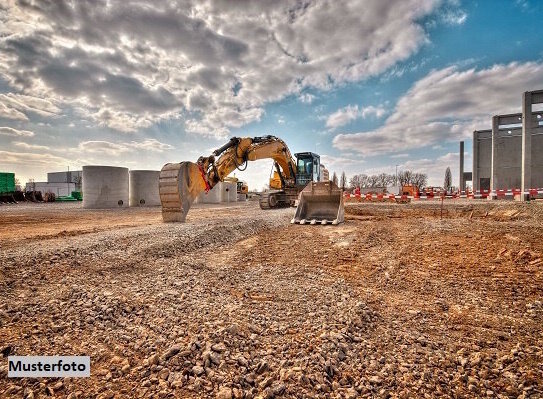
{"x": 238, "y": 151}
{"x": 180, "y": 183}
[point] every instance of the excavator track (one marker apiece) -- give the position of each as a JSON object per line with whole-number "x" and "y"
{"x": 278, "y": 199}
{"x": 271, "y": 200}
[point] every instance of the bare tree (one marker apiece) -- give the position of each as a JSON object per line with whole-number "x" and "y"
{"x": 334, "y": 178}
{"x": 384, "y": 179}
{"x": 343, "y": 181}
{"x": 420, "y": 180}
{"x": 373, "y": 180}
{"x": 354, "y": 182}
{"x": 447, "y": 183}
{"x": 358, "y": 181}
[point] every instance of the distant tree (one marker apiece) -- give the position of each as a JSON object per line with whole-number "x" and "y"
{"x": 354, "y": 182}
{"x": 363, "y": 180}
{"x": 405, "y": 177}
{"x": 343, "y": 181}
{"x": 420, "y": 180}
{"x": 334, "y": 178}
{"x": 384, "y": 179}
{"x": 447, "y": 183}
{"x": 18, "y": 186}
{"x": 372, "y": 181}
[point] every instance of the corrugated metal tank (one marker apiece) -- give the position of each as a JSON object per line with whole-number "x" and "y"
{"x": 144, "y": 188}
{"x": 105, "y": 187}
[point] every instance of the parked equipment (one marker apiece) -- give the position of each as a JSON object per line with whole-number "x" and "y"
{"x": 180, "y": 183}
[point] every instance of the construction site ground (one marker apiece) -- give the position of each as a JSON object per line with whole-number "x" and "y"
{"x": 399, "y": 301}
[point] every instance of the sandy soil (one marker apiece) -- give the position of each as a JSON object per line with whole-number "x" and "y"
{"x": 396, "y": 302}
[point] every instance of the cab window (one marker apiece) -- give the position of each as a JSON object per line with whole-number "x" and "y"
{"x": 305, "y": 165}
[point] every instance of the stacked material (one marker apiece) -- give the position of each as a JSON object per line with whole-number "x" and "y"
{"x": 7, "y": 182}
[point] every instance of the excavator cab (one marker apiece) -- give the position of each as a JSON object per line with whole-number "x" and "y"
{"x": 307, "y": 168}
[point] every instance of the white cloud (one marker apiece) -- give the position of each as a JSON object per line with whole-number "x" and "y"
{"x": 151, "y": 145}
{"x": 454, "y": 17}
{"x": 111, "y": 148}
{"x": 9, "y": 159}
{"x": 9, "y": 131}
{"x": 350, "y": 113}
{"x": 447, "y": 105}
{"x": 403, "y": 155}
{"x": 24, "y": 103}
{"x": 27, "y": 146}
{"x": 215, "y": 63}
{"x": 103, "y": 147}
{"x": 11, "y": 113}
{"x": 306, "y": 98}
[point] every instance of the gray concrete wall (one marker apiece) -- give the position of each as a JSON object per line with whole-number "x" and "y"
{"x": 509, "y": 153}
{"x": 506, "y": 152}
{"x": 461, "y": 182}
{"x": 482, "y": 157}
{"x": 532, "y": 146}
{"x": 537, "y": 156}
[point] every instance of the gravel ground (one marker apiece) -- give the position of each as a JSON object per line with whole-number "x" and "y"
{"x": 397, "y": 302}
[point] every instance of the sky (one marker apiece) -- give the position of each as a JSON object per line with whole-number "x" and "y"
{"x": 370, "y": 85}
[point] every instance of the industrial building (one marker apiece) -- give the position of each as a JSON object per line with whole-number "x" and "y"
{"x": 74, "y": 176}
{"x": 58, "y": 183}
{"x": 508, "y": 156}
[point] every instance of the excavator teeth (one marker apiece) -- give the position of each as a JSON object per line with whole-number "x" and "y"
{"x": 302, "y": 221}
{"x": 314, "y": 221}
{"x": 324, "y": 221}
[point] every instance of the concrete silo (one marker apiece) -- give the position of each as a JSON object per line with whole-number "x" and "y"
{"x": 144, "y": 188}
{"x": 105, "y": 187}
{"x": 222, "y": 192}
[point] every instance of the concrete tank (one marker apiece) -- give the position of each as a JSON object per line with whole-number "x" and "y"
{"x": 105, "y": 187}
{"x": 228, "y": 192}
{"x": 222, "y": 192}
{"x": 212, "y": 197}
{"x": 144, "y": 188}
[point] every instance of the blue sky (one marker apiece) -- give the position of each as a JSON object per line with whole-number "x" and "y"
{"x": 368, "y": 85}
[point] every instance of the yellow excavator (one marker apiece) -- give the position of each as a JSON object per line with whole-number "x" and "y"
{"x": 301, "y": 179}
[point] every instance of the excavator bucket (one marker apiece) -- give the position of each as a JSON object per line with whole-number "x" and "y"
{"x": 179, "y": 184}
{"x": 320, "y": 202}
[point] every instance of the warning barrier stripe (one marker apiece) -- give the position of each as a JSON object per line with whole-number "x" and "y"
{"x": 482, "y": 194}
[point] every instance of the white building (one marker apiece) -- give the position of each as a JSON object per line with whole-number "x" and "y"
{"x": 59, "y": 189}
